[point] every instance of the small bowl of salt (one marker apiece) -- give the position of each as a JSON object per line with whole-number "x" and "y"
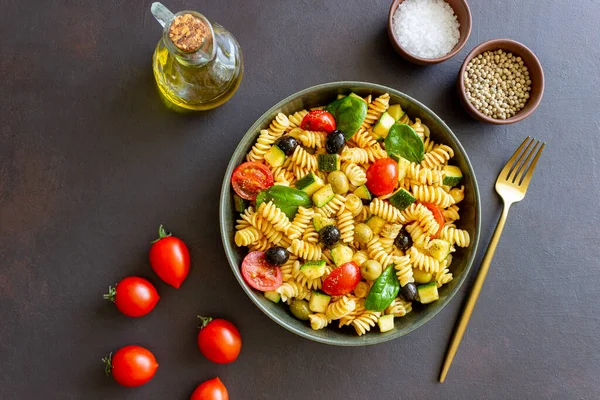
{"x": 428, "y": 32}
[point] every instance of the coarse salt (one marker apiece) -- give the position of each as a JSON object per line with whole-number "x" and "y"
{"x": 426, "y": 28}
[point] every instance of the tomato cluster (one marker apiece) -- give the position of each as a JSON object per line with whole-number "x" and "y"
{"x": 218, "y": 339}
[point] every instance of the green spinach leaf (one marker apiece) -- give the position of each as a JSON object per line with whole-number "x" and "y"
{"x": 349, "y": 113}
{"x": 286, "y": 198}
{"x": 403, "y": 141}
{"x": 384, "y": 290}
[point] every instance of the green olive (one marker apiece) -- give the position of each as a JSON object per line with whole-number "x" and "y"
{"x": 370, "y": 270}
{"x": 362, "y": 233}
{"x": 339, "y": 182}
{"x": 300, "y": 310}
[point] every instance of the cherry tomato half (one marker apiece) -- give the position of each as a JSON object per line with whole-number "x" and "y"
{"x": 170, "y": 258}
{"x": 250, "y": 178}
{"x": 210, "y": 390}
{"x": 342, "y": 280}
{"x": 259, "y": 274}
{"x": 382, "y": 176}
{"x": 131, "y": 366}
{"x": 318, "y": 120}
{"x": 437, "y": 214}
{"x": 219, "y": 340}
{"x": 133, "y": 296}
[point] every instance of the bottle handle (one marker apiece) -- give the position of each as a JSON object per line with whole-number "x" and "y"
{"x": 161, "y": 13}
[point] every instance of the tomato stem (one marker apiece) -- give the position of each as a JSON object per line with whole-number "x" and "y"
{"x": 203, "y": 321}
{"x": 162, "y": 233}
{"x": 111, "y": 295}
{"x": 107, "y": 364}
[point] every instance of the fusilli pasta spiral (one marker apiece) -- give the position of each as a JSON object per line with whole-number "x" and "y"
{"x": 437, "y": 156}
{"x": 385, "y": 210}
{"x": 305, "y": 250}
{"x": 423, "y": 262}
{"x": 424, "y": 175}
{"x": 455, "y": 236}
{"x": 375, "y": 109}
{"x": 279, "y": 125}
{"x": 377, "y": 253}
{"x": 334, "y": 206}
{"x": 404, "y": 270}
{"x": 300, "y": 223}
{"x": 275, "y": 216}
{"x": 313, "y": 138}
{"x": 398, "y": 308}
{"x": 301, "y": 158}
{"x": 340, "y": 307}
{"x": 363, "y": 138}
{"x": 263, "y": 226}
{"x": 365, "y": 321}
{"x": 318, "y": 321}
{"x": 345, "y": 223}
{"x": 293, "y": 290}
{"x": 451, "y": 213}
{"x": 263, "y": 143}
{"x": 296, "y": 119}
{"x": 356, "y": 175}
{"x": 432, "y": 194}
{"x": 246, "y": 236}
{"x": 442, "y": 277}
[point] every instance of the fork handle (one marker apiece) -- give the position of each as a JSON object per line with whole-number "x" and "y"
{"x": 477, "y": 285}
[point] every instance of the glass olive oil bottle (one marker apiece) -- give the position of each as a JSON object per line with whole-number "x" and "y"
{"x": 197, "y": 65}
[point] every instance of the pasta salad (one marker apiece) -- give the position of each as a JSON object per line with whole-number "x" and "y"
{"x": 348, "y": 213}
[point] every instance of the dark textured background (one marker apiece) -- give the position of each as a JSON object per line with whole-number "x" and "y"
{"x": 91, "y": 162}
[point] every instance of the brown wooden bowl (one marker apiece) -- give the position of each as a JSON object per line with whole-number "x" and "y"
{"x": 463, "y": 14}
{"x": 536, "y": 75}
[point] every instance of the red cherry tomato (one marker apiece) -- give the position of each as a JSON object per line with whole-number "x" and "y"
{"x": 219, "y": 340}
{"x": 131, "y": 366}
{"x": 133, "y": 296}
{"x": 318, "y": 120}
{"x": 382, "y": 176}
{"x": 259, "y": 274}
{"x": 250, "y": 178}
{"x": 170, "y": 258}
{"x": 210, "y": 390}
{"x": 342, "y": 280}
{"x": 437, "y": 214}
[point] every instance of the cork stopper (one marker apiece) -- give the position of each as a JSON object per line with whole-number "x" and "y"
{"x": 187, "y": 32}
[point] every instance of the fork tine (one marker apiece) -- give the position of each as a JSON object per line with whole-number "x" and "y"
{"x": 511, "y": 161}
{"x": 529, "y": 173}
{"x": 523, "y": 167}
{"x": 519, "y": 164}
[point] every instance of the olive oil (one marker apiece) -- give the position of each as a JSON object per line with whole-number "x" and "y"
{"x": 206, "y": 74}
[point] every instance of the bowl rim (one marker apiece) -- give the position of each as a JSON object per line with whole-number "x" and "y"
{"x": 480, "y": 48}
{"x": 420, "y": 60}
{"x": 225, "y": 198}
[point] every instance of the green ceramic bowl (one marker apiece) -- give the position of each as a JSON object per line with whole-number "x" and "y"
{"x": 469, "y": 220}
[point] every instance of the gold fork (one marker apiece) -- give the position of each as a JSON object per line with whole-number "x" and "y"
{"x": 511, "y": 185}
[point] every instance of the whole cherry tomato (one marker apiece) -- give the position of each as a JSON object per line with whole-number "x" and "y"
{"x": 259, "y": 274}
{"x": 170, "y": 258}
{"x": 250, "y": 178}
{"x": 437, "y": 214}
{"x": 318, "y": 120}
{"x": 131, "y": 366}
{"x": 342, "y": 280}
{"x": 382, "y": 176}
{"x": 133, "y": 296}
{"x": 219, "y": 340}
{"x": 210, "y": 390}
